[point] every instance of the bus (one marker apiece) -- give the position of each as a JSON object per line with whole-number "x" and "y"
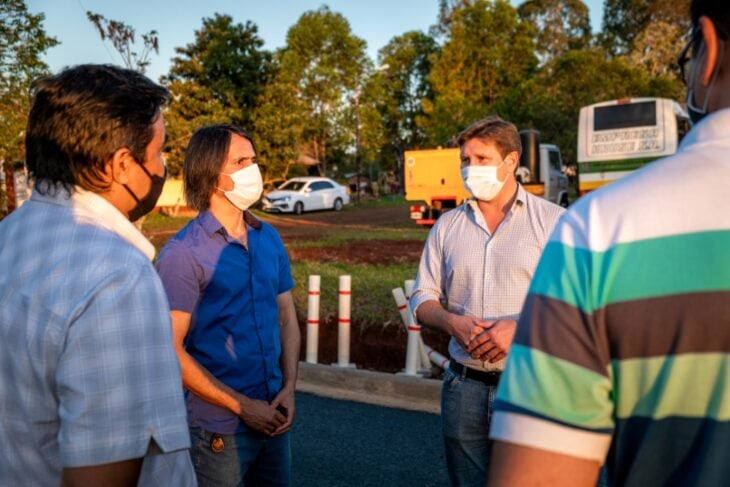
{"x": 619, "y": 136}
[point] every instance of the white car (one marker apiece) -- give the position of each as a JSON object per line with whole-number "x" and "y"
{"x": 305, "y": 194}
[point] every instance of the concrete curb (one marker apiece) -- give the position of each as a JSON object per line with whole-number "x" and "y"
{"x": 378, "y": 388}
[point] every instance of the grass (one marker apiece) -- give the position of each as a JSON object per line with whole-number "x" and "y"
{"x": 372, "y": 300}
{"x": 342, "y": 237}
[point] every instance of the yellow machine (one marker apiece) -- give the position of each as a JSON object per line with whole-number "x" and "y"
{"x": 434, "y": 177}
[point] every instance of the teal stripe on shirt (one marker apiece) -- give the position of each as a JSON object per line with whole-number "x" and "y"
{"x": 663, "y": 266}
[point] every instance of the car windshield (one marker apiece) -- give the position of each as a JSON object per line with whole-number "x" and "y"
{"x": 293, "y": 185}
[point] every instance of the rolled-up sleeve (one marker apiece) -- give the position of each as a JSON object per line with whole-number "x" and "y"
{"x": 429, "y": 283}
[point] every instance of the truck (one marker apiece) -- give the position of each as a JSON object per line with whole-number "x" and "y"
{"x": 617, "y": 137}
{"x": 433, "y": 177}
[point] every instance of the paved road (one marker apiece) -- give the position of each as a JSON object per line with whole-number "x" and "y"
{"x": 343, "y": 443}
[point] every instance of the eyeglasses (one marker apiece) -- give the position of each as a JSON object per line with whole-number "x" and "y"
{"x": 686, "y": 55}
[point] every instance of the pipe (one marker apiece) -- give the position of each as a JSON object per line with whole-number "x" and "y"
{"x": 312, "y": 319}
{"x": 343, "y": 322}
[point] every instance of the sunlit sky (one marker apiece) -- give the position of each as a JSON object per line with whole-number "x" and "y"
{"x": 376, "y": 21}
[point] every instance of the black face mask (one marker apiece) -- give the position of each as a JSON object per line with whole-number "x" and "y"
{"x": 148, "y": 201}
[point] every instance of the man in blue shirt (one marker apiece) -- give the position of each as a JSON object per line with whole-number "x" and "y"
{"x": 228, "y": 281}
{"x": 90, "y": 388}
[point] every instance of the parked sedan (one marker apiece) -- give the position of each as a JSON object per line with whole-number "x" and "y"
{"x": 305, "y": 194}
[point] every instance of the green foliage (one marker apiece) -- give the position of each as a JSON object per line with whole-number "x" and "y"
{"x": 561, "y": 25}
{"x": 216, "y": 79}
{"x": 624, "y": 20}
{"x": 23, "y": 42}
{"x": 192, "y": 107}
{"x": 227, "y": 60}
{"x": 399, "y": 91}
{"x": 319, "y": 70}
{"x": 488, "y": 50}
{"x": 551, "y": 100}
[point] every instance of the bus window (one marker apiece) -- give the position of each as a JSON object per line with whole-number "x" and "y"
{"x": 554, "y": 159}
{"x": 614, "y": 117}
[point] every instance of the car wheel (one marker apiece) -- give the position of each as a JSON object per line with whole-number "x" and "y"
{"x": 338, "y": 205}
{"x": 298, "y": 208}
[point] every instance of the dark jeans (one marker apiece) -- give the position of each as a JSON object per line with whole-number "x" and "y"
{"x": 247, "y": 459}
{"x": 466, "y": 412}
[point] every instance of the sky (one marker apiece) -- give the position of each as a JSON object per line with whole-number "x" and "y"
{"x": 375, "y": 21}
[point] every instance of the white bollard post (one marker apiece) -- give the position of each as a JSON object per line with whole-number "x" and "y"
{"x": 414, "y": 335}
{"x": 428, "y": 354}
{"x": 343, "y": 322}
{"x": 313, "y": 319}
{"x": 400, "y": 301}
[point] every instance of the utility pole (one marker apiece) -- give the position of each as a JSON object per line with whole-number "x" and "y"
{"x": 357, "y": 143}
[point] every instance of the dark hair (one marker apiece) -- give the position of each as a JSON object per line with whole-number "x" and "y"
{"x": 493, "y": 129}
{"x": 717, "y": 10}
{"x": 81, "y": 116}
{"x": 204, "y": 157}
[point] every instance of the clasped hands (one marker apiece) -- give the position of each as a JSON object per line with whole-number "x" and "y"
{"x": 488, "y": 341}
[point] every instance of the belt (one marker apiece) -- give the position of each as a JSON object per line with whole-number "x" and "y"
{"x": 489, "y": 378}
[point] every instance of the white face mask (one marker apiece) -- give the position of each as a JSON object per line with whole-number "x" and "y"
{"x": 482, "y": 181}
{"x": 247, "y": 187}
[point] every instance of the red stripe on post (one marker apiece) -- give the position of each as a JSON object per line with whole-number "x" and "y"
{"x": 401, "y": 308}
{"x": 313, "y": 293}
{"x": 343, "y": 320}
{"x": 345, "y": 292}
{"x": 313, "y": 322}
{"x": 414, "y": 328}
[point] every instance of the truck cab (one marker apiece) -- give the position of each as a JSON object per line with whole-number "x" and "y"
{"x": 550, "y": 182}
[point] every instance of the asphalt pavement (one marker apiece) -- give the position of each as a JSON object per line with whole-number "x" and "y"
{"x": 344, "y": 443}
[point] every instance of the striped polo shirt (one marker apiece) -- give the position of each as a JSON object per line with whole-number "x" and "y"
{"x": 622, "y": 352}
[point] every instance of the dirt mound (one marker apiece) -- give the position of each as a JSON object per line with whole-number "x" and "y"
{"x": 374, "y": 252}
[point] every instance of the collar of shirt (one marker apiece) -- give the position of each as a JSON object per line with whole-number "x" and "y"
{"x": 89, "y": 207}
{"x": 713, "y": 127}
{"x": 479, "y": 217}
{"x": 211, "y": 225}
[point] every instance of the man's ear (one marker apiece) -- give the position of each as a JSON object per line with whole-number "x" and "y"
{"x": 120, "y": 165}
{"x": 712, "y": 49}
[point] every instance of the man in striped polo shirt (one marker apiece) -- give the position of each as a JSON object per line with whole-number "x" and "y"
{"x": 480, "y": 257}
{"x": 622, "y": 353}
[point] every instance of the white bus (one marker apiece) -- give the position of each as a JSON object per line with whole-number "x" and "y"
{"x": 616, "y": 137}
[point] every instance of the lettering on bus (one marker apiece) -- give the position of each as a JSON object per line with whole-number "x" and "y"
{"x": 622, "y": 141}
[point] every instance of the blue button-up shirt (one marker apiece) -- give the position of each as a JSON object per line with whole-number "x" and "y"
{"x": 231, "y": 292}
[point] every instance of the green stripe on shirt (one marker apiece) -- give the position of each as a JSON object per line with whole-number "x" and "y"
{"x": 555, "y": 388}
{"x": 688, "y": 385}
{"x": 663, "y": 266}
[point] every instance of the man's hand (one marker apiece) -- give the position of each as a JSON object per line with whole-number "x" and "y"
{"x": 461, "y": 328}
{"x": 261, "y": 416}
{"x": 490, "y": 340}
{"x": 284, "y": 401}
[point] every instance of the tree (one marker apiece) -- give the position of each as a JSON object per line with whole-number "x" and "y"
{"x": 561, "y": 25}
{"x": 122, "y": 37}
{"x": 23, "y": 43}
{"x": 397, "y": 91}
{"x": 656, "y": 47}
{"x": 228, "y": 60}
{"x": 488, "y": 50}
{"x": 192, "y": 107}
{"x": 321, "y": 67}
{"x": 551, "y": 100}
{"x": 624, "y": 20}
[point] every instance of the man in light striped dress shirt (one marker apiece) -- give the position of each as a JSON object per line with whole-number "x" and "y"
{"x": 480, "y": 258}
